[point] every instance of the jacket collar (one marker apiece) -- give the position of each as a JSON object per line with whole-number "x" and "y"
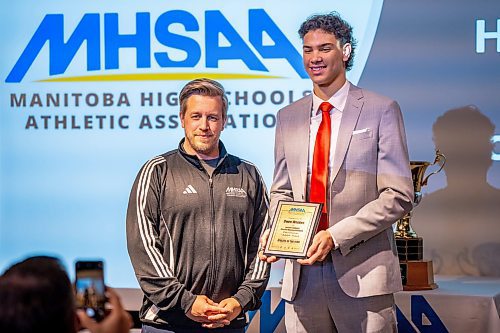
{"x": 194, "y": 160}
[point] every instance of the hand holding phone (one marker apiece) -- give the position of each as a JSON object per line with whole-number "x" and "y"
{"x": 118, "y": 320}
{"x": 90, "y": 288}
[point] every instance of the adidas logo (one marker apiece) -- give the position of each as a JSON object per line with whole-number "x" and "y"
{"x": 235, "y": 192}
{"x": 189, "y": 190}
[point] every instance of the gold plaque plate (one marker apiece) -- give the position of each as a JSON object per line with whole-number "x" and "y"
{"x": 293, "y": 228}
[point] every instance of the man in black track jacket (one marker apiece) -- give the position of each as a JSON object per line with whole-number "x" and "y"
{"x": 194, "y": 220}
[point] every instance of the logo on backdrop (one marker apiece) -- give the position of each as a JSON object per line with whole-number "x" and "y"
{"x": 218, "y": 30}
{"x": 256, "y": 48}
{"x": 72, "y": 43}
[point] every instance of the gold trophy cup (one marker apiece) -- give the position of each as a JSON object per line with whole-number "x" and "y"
{"x": 417, "y": 274}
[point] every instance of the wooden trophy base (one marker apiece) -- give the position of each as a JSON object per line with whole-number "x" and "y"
{"x": 417, "y": 275}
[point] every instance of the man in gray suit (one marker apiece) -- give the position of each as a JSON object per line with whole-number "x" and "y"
{"x": 347, "y": 282}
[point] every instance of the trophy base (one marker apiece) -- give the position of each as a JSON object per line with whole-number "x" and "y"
{"x": 417, "y": 275}
{"x": 410, "y": 249}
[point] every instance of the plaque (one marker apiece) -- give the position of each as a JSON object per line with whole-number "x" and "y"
{"x": 416, "y": 273}
{"x": 293, "y": 228}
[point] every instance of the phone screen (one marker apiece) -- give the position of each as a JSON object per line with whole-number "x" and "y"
{"x": 89, "y": 288}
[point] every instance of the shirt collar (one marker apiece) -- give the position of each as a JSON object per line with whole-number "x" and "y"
{"x": 338, "y": 100}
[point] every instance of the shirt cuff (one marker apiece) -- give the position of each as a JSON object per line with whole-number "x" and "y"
{"x": 335, "y": 244}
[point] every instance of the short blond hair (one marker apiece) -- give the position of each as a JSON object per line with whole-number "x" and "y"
{"x": 203, "y": 87}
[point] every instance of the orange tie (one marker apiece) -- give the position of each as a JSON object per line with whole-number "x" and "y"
{"x": 319, "y": 177}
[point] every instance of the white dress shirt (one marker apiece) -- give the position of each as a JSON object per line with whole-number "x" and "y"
{"x": 338, "y": 100}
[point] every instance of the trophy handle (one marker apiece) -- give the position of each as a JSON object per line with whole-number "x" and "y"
{"x": 441, "y": 159}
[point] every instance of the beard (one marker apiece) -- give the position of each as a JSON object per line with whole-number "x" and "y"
{"x": 205, "y": 147}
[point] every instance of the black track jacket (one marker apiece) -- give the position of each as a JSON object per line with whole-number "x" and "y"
{"x": 190, "y": 234}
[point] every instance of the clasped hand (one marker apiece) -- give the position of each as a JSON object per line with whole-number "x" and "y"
{"x": 214, "y": 315}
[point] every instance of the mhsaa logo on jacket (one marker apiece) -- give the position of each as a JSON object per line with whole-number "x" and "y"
{"x": 236, "y": 192}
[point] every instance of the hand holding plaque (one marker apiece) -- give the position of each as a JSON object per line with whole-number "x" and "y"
{"x": 293, "y": 228}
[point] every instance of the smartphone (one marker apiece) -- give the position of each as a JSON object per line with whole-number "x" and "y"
{"x": 90, "y": 288}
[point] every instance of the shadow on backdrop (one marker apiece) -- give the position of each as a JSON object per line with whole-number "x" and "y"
{"x": 460, "y": 224}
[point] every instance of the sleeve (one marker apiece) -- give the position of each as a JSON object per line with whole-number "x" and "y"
{"x": 256, "y": 271}
{"x": 145, "y": 248}
{"x": 394, "y": 186}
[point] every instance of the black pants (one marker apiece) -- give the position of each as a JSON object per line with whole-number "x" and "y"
{"x": 151, "y": 329}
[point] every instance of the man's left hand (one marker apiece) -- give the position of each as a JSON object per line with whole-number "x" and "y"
{"x": 230, "y": 304}
{"x": 321, "y": 246}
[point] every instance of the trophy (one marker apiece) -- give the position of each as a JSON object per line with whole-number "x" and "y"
{"x": 417, "y": 274}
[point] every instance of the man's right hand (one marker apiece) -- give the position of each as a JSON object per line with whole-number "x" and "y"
{"x": 263, "y": 242}
{"x": 204, "y": 307}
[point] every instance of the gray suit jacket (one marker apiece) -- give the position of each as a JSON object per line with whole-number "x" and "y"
{"x": 370, "y": 189}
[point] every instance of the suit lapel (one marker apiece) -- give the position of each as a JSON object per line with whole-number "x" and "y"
{"x": 350, "y": 116}
{"x": 303, "y": 121}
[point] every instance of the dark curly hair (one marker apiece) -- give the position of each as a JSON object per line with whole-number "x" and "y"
{"x": 334, "y": 24}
